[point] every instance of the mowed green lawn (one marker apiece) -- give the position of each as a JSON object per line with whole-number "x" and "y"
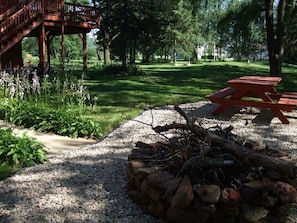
{"x": 122, "y": 97}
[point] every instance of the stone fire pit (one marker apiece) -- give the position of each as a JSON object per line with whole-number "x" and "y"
{"x": 202, "y": 175}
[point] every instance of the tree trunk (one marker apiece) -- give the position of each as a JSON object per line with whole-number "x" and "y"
{"x": 280, "y": 35}
{"x": 132, "y": 51}
{"x": 106, "y": 47}
{"x": 197, "y": 53}
{"x": 174, "y": 53}
{"x": 106, "y": 53}
{"x": 174, "y": 57}
{"x": 98, "y": 54}
{"x": 146, "y": 57}
{"x": 275, "y": 46}
{"x": 124, "y": 32}
{"x": 124, "y": 54}
{"x": 270, "y": 35}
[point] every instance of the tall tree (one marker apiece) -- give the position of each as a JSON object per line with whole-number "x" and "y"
{"x": 291, "y": 32}
{"x": 147, "y": 26}
{"x": 109, "y": 27}
{"x": 156, "y": 18}
{"x": 166, "y": 25}
{"x": 211, "y": 10}
{"x": 275, "y": 34}
{"x": 181, "y": 30}
{"x": 241, "y": 27}
{"x": 275, "y": 20}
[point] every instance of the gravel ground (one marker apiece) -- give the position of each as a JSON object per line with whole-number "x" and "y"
{"x": 88, "y": 184}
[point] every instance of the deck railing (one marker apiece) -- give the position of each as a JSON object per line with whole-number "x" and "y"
{"x": 72, "y": 12}
{"x": 13, "y": 9}
{"x": 79, "y": 13}
{"x": 52, "y": 7}
{"x": 7, "y": 4}
{"x": 25, "y": 12}
{"x": 16, "y": 22}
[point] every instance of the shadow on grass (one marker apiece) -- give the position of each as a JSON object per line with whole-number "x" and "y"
{"x": 168, "y": 84}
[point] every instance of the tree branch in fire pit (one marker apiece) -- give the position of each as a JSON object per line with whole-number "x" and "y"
{"x": 247, "y": 155}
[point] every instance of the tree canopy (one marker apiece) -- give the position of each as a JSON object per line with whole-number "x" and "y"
{"x": 244, "y": 29}
{"x": 261, "y": 23}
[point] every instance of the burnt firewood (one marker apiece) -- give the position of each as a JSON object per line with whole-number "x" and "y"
{"x": 254, "y": 158}
{"x": 195, "y": 129}
{"x": 205, "y": 163}
{"x": 248, "y": 156}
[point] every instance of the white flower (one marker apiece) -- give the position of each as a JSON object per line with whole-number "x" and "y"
{"x": 35, "y": 84}
{"x": 12, "y": 91}
{"x": 21, "y": 93}
{"x": 80, "y": 89}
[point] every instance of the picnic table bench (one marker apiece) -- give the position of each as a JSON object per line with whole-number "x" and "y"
{"x": 255, "y": 91}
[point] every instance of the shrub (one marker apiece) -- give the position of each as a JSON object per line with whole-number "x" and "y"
{"x": 20, "y": 151}
{"x": 116, "y": 70}
{"x": 43, "y": 119}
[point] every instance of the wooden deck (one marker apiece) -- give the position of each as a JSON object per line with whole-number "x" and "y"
{"x": 41, "y": 19}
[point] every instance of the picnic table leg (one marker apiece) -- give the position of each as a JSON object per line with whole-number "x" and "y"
{"x": 281, "y": 116}
{"x": 237, "y": 95}
{"x": 277, "y": 112}
{"x": 220, "y": 109}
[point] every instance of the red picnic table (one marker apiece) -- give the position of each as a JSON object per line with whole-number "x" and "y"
{"x": 255, "y": 91}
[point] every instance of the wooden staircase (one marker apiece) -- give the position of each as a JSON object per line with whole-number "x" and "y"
{"x": 40, "y": 18}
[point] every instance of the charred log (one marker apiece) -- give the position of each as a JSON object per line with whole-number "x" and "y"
{"x": 245, "y": 154}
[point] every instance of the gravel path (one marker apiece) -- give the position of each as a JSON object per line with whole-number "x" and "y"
{"x": 88, "y": 184}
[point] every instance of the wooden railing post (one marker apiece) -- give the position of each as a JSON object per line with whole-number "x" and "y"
{"x": 62, "y": 35}
{"x": 85, "y": 49}
{"x": 42, "y": 53}
{"x": 43, "y": 5}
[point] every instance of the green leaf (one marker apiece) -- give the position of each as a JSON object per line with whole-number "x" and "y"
{"x": 2, "y": 151}
{"x": 15, "y": 158}
{"x": 11, "y": 152}
{"x": 74, "y": 134}
{"x": 28, "y": 163}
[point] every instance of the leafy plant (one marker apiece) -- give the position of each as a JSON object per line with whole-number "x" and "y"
{"x": 44, "y": 104}
{"x": 44, "y": 119}
{"x": 20, "y": 152}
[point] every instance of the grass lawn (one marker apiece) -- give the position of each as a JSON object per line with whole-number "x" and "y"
{"x": 122, "y": 97}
